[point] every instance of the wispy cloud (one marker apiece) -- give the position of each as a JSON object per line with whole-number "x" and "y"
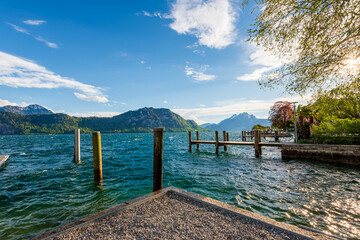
{"x": 22, "y": 30}
{"x": 18, "y": 72}
{"x": 212, "y": 21}
{"x": 49, "y": 44}
{"x": 199, "y": 74}
{"x": 34, "y": 22}
{"x": 18, "y": 29}
{"x": 154, "y": 14}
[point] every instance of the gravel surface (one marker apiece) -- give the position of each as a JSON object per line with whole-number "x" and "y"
{"x": 173, "y": 216}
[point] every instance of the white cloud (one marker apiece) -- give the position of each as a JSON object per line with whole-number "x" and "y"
{"x": 47, "y": 43}
{"x": 34, "y": 22}
{"x": 22, "y": 30}
{"x": 211, "y": 21}
{"x": 255, "y": 75}
{"x": 199, "y": 74}
{"x": 100, "y": 99}
{"x": 142, "y": 62}
{"x": 18, "y": 29}
{"x": 165, "y": 101}
{"x": 6, "y": 102}
{"x": 95, "y": 114}
{"x": 266, "y": 62}
{"x": 18, "y": 72}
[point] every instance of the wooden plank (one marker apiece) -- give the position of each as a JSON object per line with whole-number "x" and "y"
{"x": 222, "y": 143}
{"x": 3, "y": 160}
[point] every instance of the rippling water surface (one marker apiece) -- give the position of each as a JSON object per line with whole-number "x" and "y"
{"x": 41, "y": 188}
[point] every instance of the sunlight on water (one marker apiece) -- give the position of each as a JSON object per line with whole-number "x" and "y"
{"x": 40, "y": 187}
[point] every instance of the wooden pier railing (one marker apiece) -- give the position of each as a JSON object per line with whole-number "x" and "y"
{"x": 275, "y": 134}
{"x": 226, "y": 142}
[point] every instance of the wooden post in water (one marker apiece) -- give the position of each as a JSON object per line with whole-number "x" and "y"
{"x": 96, "y": 140}
{"x": 197, "y": 138}
{"x": 242, "y": 136}
{"x": 227, "y": 137}
{"x": 77, "y": 146}
{"x": 189, "y": 141}
{"x": 224, "y": 136}
{"x": 158, "y": 158}
{"x": 257, "y": 141}
{"x": 216, "y": 142}
{"x": 276, "y": 135}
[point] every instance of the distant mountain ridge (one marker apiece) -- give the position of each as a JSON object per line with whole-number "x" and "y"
{"x": 29, "y": 110}
{"x": 141, "y": 120}
{"x": 237, "y": 122}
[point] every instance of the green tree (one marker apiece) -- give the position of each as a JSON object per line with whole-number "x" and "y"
{"x": 321, "y": 38}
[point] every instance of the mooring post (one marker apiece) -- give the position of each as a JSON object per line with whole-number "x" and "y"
{"x": 224, "y": 136}
{"x": 197, "y": 138}
{"x": 96, "y": 140}
{"x": 77, "y": 146}
{"x": 216, "y": 142}
{"x": 227, "y": 137}
{"x": 257, "y": 141}
{"x": 158, "y": 158}
{"x": 190, "y": 141}
{"x": 276, "y": 135}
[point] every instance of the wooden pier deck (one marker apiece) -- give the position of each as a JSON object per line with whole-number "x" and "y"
{"x": 226, "y": 142}
{"x": 3, "y": 159}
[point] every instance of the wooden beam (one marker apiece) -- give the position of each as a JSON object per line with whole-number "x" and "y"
{"x": 197, "y": 138}
{"x": 190, "y": 142}
{"x": 96, "y": 140}
{"x": 256, "y": 142}
{"x": 224, "y": 137}
{"x": 216, "y": 142}
{"x": 158, "y": 158}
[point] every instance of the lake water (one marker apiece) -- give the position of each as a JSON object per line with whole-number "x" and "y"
{"x": 41, "y": 188}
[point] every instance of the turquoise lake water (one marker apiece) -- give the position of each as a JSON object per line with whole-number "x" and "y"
{"x": 41, "y": 188}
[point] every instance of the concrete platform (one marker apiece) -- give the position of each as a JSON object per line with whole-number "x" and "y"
{"x": 173, "y": 213}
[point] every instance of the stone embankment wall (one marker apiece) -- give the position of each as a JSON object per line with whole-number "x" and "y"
{"x": 348, "y": 154}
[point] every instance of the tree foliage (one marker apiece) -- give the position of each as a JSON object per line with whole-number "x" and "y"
{"x": 339, "y": 102}
{"x": 280, "y": 114}
{"x": 319, "y": 38}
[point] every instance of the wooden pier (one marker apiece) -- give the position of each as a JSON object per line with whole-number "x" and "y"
{"x": 265, "y": 134}
{"x": 3, "y": 160}
{"x": 226, "y": 142}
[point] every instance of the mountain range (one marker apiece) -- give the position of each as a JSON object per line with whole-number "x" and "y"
{"x": 29, "y": 110}
{"x": 237, "y": 122}
{"x": 17, "y": 120}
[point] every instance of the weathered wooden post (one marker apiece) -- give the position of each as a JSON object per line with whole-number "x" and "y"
{"x": 158, "y": 158}
{"x": 242, "y": 136}
{"x": 77, "y": 146}
{"x": 276, "y": 135}
{"x": 224, "y": 136}
{"x": 96, "y": 140}
{"x": 190, "y": 141}
{"x": 227, "y": 137}
{"x": 257, "y": 141}
{"x": 197, "y": 138}
{"x": 216, "y": 142}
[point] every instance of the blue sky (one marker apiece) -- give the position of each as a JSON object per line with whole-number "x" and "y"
{"x": 107, "y": 57}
